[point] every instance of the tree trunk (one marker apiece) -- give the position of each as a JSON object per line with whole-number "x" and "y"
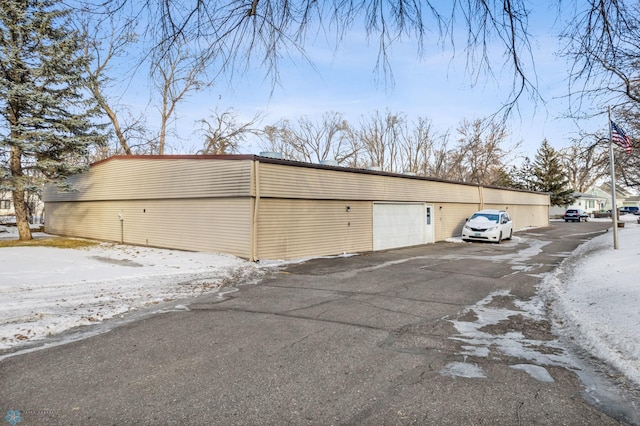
{"x": 116, "y": 125}
{"x": 22, "y": 218}
{"x": 22, "y": 221}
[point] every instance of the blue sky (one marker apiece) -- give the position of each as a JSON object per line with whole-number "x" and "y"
{"x": 435, "y": 86}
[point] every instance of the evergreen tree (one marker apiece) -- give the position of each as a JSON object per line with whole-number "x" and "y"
{"x": 548, "y": 176}
{"x": 522, "y": 176}
{"x": 503, "y": 178}
{"x": 47, "y": 126}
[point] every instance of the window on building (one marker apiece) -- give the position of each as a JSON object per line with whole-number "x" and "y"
{"x": 5, "y": 204}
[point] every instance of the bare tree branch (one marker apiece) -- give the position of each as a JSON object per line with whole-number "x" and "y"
{"x": 235, "y": 35}
{"x": 224, "y": 135}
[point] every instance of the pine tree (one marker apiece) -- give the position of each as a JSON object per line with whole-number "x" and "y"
{"x": 548, "y": 176}
{"x": 47, "y": 119}
{"x": 522, "y": 177}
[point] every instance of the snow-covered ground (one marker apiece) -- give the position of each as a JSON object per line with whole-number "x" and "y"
{"x": 45, "y": 291}
{"x": 595, "y": 297}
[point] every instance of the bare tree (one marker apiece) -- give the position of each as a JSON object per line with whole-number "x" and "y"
{"x": 628, "y": 165}
{"x": 104, "y": 48}
{"x": 391, "y": 143}
{"x": 357, "y": 157}
{"x": 224, "y": 135}
{"x": 585, "y": 162}
{"x": 243, "y": 33}
{"x": 417, "y": 146}
{"x": 600, "y": 35}
{"x": 603, "y": 44}
{"x": 439, "y": 168}
{"x": 318, "y": 141}
{"x": 306, "y": 140}
{"x": 274, "y": 139}
{"x": 479, "y": 156}
{"x": 379, "y": 135}
{"x": 176, "y": 72}
{"x": 424, "y": 152}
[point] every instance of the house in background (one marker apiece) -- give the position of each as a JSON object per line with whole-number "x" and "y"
{"x": 621, "y": 195}
{"x": 595, "y": 199}
{"x": 35, "y": 208}
{"x": 259, "y": 207}
{"x": 6, "y": 204}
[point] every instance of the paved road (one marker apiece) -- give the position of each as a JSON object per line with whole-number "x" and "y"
{"x": 441, "y": 334}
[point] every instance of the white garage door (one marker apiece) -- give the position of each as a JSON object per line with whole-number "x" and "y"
{"x": 398, "y": 225}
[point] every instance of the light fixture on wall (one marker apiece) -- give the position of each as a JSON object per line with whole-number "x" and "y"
{"x": 348, "y": 209}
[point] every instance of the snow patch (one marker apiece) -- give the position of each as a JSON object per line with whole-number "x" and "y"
{"x": 479, "y": 342}
{"x": 537, "y": 372}
{"x": 595, "y": 296}
{"x": 463, "y": 369}
{"x": 46, "y": 291}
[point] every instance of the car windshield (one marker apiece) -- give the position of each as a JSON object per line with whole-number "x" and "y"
{"x": 489, "y": 216}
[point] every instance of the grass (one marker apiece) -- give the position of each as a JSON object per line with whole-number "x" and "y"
{"x": 57, "y": 242}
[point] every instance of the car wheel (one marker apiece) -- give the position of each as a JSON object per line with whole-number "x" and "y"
{"x": 499, "y": 238}
{"x": 510, "y": 234}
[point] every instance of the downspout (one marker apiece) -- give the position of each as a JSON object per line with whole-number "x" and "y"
{"x": 481, "y": 196}
{"x": 255, "y": 165}
{"x": 121, "y": 218}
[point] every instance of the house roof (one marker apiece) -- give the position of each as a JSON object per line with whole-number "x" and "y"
{"x": 620, "y": 193}
{"x": 588, "y": 196}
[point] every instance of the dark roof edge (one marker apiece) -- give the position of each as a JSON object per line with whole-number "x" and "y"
{"x": 177, "y": 157}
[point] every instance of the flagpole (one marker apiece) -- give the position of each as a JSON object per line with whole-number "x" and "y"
{"x": 614, "y": 209}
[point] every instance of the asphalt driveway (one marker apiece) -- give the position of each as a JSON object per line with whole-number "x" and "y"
{"x": 445, "y": 333}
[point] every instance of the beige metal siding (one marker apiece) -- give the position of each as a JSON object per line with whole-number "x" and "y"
{"x": 217, "y": 225}
{"x": 131, "y": 179}
{"x": 450, "y": 219}
{"x": 208, "y": 204}
{"x": 525, "y": 216}
{"x": 97, "y": 220}
{"x": 505, "y": 197}
{"x": 292, "y": 229}
{"x": 283, "y": 181}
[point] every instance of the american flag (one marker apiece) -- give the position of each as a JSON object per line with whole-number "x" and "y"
{"x": 620, "y": 138}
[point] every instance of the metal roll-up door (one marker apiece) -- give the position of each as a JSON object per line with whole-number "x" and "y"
{"x": 398, "y": 225}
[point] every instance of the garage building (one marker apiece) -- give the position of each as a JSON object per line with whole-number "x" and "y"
{"x": 258, "y": 207}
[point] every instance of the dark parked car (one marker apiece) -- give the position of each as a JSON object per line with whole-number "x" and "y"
{"x": 629, "y": 210}
{"x": 575, "y": 215}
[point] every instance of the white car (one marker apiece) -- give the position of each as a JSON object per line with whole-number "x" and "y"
{"x": 488, "y": 225}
